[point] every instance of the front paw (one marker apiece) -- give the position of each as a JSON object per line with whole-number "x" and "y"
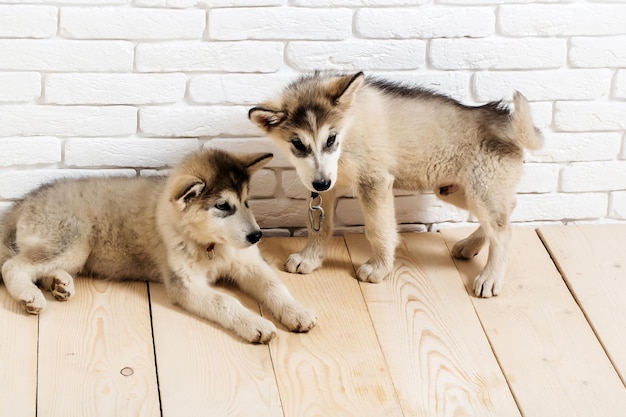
{"x": 257, "y": 330}
{"x": 62, "y": 290}
{"x": 467, "y": 248}
{"x": 372, "y": 272}
{"x": 299, "y": 318}
{"x": 487, "y": 286}
{"x": 302, "y": 264}
{"x": 33, "y": 301}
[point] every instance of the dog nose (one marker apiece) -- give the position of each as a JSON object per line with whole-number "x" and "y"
{"x": 321, "y": 185}
{"x": 254, "y": 237}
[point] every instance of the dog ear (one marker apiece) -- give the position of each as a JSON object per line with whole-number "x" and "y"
{"x": 266, "y": 119}
{"x": 255, "y": 161}
{"x": 344, "y": 88}
{"x": 185, "y": 189}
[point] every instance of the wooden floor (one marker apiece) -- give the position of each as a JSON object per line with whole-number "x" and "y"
{"x": 552, "y": 344}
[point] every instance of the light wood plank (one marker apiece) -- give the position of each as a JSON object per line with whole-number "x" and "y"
{"x": 205, "y": 371}
{"x": 549, "y": 354}
{"x": 592, "y": 259}
{"x": 338, "y": 368}
{"x": 18, "y": 359}
{"x": 95, "y": 353}
{"x": 440, "y": 360}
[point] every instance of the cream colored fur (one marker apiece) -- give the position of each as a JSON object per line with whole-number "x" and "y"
{"x": 156, "y": 229}
{"x": 371, "y": 135}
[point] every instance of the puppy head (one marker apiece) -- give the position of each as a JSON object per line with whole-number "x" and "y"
{"x": 208, "y": 197}
{"x": 308, "y": 121}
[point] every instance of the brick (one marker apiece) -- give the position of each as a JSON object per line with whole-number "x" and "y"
{"x": 417, "y": 208}
{"x": 497, "y": 53}
{"x": 16, "y": 184}
{"x": 28, "y": 21}
{"x": 541, "y": 113}
{"x": 620, "y": 84}
{"x": 79, "y": 2}
{"x": 327, "y": 3}
{"x": 263, "y": 184}
{"x": 566, "y": 147}
{"x": 543, "y": 85}
{"x": 195, "y": 121}
{"x": 539, "y": 178}
{"x": 559, "y": 206}
{"x": 594, "y": 176}
{"x": 425, "y": 22}
{"x": 248, "y": 89}
{"x": 68, "y": 121}
{"x": 276, "y": 232}
{"x": 280, "y": 23}
{"x": 124, "y": 152}
{"x": 245, "y": 56}
{"x": 250, "y": 145}
{"x": 18, "y": 87}
{"x": 357, "y": 54}
{"x": 208, "y": 3}
{"x": 598, "y": 52}
{"x": 617, "y": 205}
{"x": 279, "y": 212}
{"x": 562, "y": 19}
{"x": 114, "y": 88}
{"x": 292, "y": 186}
{"x": 29, "y": 151}
{"x": 66, "y": 55}
{"x": 131, "y": 23}
{"x": 590, "y": 116}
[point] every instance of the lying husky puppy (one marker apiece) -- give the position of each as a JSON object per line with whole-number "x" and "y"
{"x": 371, "y": 135}
{"x": 187, "y": 230}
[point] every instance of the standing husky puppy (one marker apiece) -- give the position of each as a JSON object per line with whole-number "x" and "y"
{"x": 188, "y": 231}
{"x": 369, "y": 134}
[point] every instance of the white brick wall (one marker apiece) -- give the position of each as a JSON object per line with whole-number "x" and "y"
{"x": 96, "y": 87}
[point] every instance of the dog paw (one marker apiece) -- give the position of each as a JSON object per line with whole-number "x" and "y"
{"x": 487, "y": 286}
{"x": 62, "y": 290}
{"x": 300, "y": 264}
{"x": 371, "y": 272}
{"x": 257, "y": 331}
{"x": 34, "y": 302}
{"x": 298, "y": 319}
{"x": 467, "y": 248}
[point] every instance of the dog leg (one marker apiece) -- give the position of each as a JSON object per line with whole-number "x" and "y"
{"x": 489, "y": 282}
{"x": 20, "y": 282}
{"x": 195, "y": 295}
{"x": 310, "y": 258}
{"x": 470, "y": 246}
{"x": 376, "y": 197}
{"x": 493, "y": 213}
{"x": 260, "y": 281}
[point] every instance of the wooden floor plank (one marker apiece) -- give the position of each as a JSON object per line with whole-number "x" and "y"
{"x": 592, "y": 259}
{"x": 95, "y": 353}
{"x": 553, "y": 362}
{"x": 338, "y": 369}
{"x": 18, "y": 358}
{"x": 440, "y": 360}
{"x": 206, "y": 371}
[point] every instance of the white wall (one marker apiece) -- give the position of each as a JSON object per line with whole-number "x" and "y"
{"x": 100, "y": 86}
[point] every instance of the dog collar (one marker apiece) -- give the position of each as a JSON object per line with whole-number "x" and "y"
{"x": 210, "y": 251}
{"x": 316, "y": 210}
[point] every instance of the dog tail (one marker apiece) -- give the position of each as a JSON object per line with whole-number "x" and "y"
{"x": 525, "y": 131}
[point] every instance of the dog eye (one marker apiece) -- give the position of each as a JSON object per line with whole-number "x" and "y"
{"x": 331, "y": 140}
{"x": 223, "y": 206}
{"x": 297, "y": 143}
